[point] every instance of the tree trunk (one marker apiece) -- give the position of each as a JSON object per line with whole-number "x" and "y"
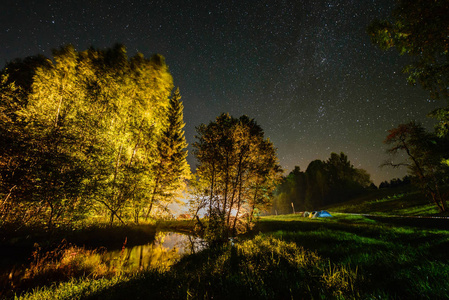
{"x": 234, "y": 189}
{"x": 111, "y": 218}
{"x": 50, "y": 219}
{"x": 211, "y": 189}
{"x": 226, "y": 183}
{"x": 250, "y": 219}
{"x": 115, "y": 196}
{"x": 152, "y": 196}
{"x": 239, "y": 204}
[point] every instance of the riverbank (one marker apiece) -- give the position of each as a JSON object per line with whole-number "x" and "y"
{"x": 19, "y": 249}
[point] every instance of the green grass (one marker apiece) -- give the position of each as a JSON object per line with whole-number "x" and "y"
{"x": 260, "y": 268}
{"x": 291, "y": 257}
{"x": 76, "y": 288}
{"x": 348, "y": 256}
{"x": 403, "y": 201}
{"x": 399, "y": 261}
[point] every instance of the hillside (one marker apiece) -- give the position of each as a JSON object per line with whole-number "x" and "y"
{"x": 401, "y": 201}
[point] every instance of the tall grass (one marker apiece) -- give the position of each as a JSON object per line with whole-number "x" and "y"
{"x": 395, "y": 261}
{"x": 260, "y": 268}
{"x": 64, "y": 263}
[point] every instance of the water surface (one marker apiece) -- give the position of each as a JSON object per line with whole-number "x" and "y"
{"x": 165, "y": 250}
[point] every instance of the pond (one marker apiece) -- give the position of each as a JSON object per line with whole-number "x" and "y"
{"x": 166, "y": 249}
{"x": 160, "y": 252}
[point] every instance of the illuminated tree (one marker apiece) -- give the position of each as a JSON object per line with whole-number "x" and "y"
{"x": 85, "y": 129}
{"x": 13, "y": 167}
{"x": 170, "y": 167}
{"x": 133, "y": 95}
{"x": 55, "y": 173}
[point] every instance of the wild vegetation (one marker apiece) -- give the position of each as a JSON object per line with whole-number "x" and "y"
{"x": 419, "y": 30}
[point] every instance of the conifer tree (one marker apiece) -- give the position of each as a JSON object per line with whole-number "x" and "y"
{"x": 171, "y": 169}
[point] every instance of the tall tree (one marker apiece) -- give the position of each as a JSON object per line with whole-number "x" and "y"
{"x": 420, "y": 30}
{"x": 317, "y": 183}
{"x": 49, "y": 113}
{"x": 171, "y": 170}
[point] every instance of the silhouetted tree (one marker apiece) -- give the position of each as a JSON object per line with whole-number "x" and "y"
{"x": 292, "y": 189}
{"x": 420, "y": 30}
{"x": 323, "y": 183}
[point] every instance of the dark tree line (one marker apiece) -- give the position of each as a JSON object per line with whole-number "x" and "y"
{"x": 324, "y": 182}
{"x": 427, "y": 155}
{"x": 396, "y": 182}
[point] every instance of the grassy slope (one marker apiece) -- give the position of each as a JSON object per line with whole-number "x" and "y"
{"x": 403, "y": 201}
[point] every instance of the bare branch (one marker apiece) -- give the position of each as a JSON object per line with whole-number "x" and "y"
{"x": 393, "y": 165}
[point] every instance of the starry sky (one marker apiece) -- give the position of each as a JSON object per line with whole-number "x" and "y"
{"x": 306, "y": 70}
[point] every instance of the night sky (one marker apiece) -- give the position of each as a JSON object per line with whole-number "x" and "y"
{"x": 305, "y": 70}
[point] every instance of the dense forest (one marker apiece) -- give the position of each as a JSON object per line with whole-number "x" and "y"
{"x": 323, "y": 183}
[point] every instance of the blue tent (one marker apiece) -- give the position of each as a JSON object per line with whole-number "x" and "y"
{"x": 322, "y": 214}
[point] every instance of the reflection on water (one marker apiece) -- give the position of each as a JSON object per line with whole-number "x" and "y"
{"x": 167, "y": 248}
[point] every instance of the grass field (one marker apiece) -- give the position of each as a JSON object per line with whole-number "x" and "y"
{"x": 291, "y": 257}
{"x": 348, "y": 256}
{"x": 402, "y": 201}
{"x": 399, "y": 261}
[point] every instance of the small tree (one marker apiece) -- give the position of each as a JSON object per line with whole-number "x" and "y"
{"x": 237, "y": 171}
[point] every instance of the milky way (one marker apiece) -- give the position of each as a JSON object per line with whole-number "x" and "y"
{"x": 305, "y": 70}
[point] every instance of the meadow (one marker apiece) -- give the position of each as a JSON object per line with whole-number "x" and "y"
{"x": 349, "y": 256}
